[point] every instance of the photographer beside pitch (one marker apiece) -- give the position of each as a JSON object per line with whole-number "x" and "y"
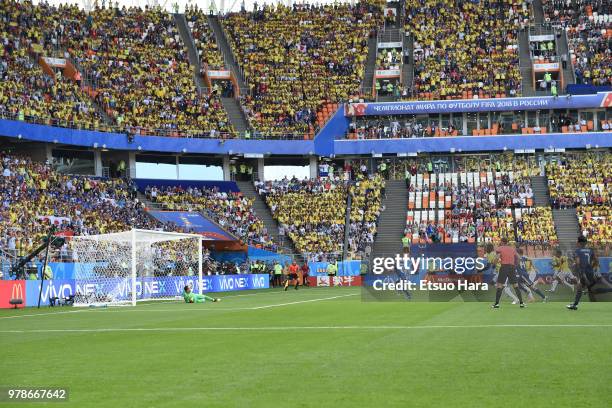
{"x": 509, "y": 258}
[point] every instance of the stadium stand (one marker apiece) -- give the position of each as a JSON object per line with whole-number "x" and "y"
{"x": 471, "y": 206}
{"x": 35, "y": 197}
{"x": 596, "y": 223}
{"x": 142, "y": 75}
{"x": 589, "y": 30}
{"x": 313, "y": 213}
{"x": 310, "y": 212}
{"x": 300, "y": 62}
{"x": 204, "y": 38}
{"x": 232, "y": 211}
{"x": 535, "y": 226}
{"x": 366, "y": 201}
{"x": 466, "y": 49}
{"x": 584, "y": 180}
{"x": 28, "y": 93}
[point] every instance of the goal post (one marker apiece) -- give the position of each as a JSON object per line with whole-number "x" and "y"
{"x": 128, "y": 267}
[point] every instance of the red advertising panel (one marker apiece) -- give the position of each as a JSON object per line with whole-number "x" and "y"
{"x": 334, "y": 281}
{"x": 12, "y": 289}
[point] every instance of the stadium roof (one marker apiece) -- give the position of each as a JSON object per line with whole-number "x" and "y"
{"x": 227, "y": 5}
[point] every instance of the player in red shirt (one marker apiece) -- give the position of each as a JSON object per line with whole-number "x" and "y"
{"x": 305, "y": 272}
{"x": 293, "y": 275}
{"x": 508, "y": 257}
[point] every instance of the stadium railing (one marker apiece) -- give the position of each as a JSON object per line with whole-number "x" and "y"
{"x": 140, "y": 131}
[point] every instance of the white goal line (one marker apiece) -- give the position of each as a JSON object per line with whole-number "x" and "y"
{"x": 303, "y": 328}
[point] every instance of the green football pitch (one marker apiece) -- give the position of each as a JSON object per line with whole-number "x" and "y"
{"x": 319, "y": 347}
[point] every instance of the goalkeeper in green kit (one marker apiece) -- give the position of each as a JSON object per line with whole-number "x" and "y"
{"x": 191, "y": 297}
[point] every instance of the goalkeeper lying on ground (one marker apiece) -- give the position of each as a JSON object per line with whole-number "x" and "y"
{"x": 191, "y": 297}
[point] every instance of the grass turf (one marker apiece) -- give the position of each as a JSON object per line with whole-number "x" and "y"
{"x": 329, "y": 350}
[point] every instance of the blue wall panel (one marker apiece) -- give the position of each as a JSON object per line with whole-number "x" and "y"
{"x": 335, "y": 128}
{"x": 323, "y": 145}
{"x": 42, "y": 133}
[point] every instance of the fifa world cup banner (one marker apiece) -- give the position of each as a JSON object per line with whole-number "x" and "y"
{"x": 601, "y": 99}
{"x": 12, "y": 289}
{"x": 329, "y": 281}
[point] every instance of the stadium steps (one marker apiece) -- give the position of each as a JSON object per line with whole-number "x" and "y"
{"x": 235, "y": 114}
{"x": 368, "y": 79}
{"x": 387, "y": 98}
{"x": 192, "y": 53}
{"x": 86, "y": 82}
{"x": 226, "y": 51}
{"x": 392, "y": 220}
{"x": 148, "y": 203}
{"x": 525, "y": 64}
{"x": 566, "y": 225}
{"x": 390, "y": 34}
{"x": 539, "y": 185}
{"x": 263, "y": 212}
{"x": 569, "y": 76}
{"x": 408, "y": 68}
{"x": 538, "y": 12}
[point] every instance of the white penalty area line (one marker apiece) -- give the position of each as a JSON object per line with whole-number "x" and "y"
{"x": 44, "y": 314}
{"x": 302, "y": 301}
{"x": 192, "y": 308}
{"x": 302, "y": 328}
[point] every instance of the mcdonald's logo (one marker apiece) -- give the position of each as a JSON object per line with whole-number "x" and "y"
{"x": 12, "y": 289}
{"x": 17, "y": 291}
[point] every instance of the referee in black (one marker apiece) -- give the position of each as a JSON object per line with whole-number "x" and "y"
{"x": 509, "y": 259}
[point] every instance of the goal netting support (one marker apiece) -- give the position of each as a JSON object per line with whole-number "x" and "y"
{"x": 128, "y": 267}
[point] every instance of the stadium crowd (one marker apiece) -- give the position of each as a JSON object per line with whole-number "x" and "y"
{"x": 231, "y": 210}
{"x": 589, "y": 30}
{"x": 366, "y": 204}
{"x": 203, "y": 37}
{"x": 585, "y": 180}
{"x": 141, "y": 73}
{"x": 389, "y": 59}
{"x": 297, "y": 59}
{"x": 35, "y": 198}
{"x": 26, "y": 91}
{"x": 310, "y": 212}
{"x": 466, "y": 49}
{"x": 475, "y": 204}
{"x": 535, "y": 226}
{"x": 595, "y": 223}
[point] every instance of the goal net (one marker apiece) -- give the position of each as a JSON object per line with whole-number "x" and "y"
{"x": 127, "y": 267}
